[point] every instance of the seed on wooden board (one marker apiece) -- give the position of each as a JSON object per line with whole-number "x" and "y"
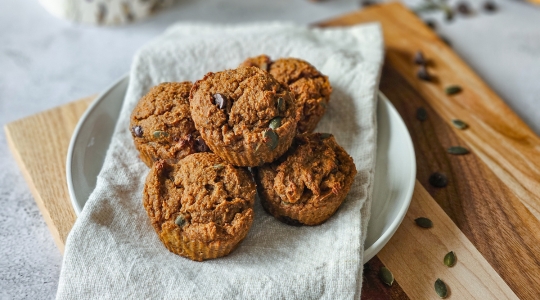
{"x": 423, "y": 222}
{"x": 386, "y": 276}
{"x": 421, "y": 114}
{"x": 459, "y": 124}
{"x": 450, "y": 259}
{"x": 423, "y": 74}
{"x": 452, "y": 90}
{"x": 457, "y": 150}
{"x": 158, "y": 134}
{"x": 419, "y": 58}
{"x": 438, "y": 180}
{"x": 441, "y": 289}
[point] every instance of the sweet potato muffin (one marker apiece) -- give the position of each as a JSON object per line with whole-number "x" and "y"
{"x": 307, "y": 184}
{"x": 202, "y": 207}
{"x": 162, "y": 127}
{"x": 311, "y": 89}
{"x": 244, "y": 115}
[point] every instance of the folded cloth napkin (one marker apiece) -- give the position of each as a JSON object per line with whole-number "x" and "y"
{"x": 113, "y": 251}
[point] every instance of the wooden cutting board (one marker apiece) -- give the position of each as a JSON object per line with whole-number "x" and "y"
{"x": 488, "y": 214}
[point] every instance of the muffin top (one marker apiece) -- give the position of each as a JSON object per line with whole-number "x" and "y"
{"x": 161, "y": 123}
{"x": 202, "y": 198}
{"x": 244, "y": 109}
{"x": 314, "y": 168}
{"x": 310, "y": 87}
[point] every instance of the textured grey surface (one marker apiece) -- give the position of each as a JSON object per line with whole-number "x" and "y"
{"x": 46, "y": 62}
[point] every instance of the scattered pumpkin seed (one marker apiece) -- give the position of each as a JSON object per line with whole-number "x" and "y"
{"x": 180, "y": 221}
{"x": 441, "y": 289}
{"x": 280, "y": 104}
{"x": 457, "y": 150}
{"x": 270, "y": 138}
{"x": 421, "y": 114}
{"x": 386, "y": 276}
{"x": 452, "y": 90}
{"x": 459, "y": 124}
{"x": 423, "y": 74}
{"x": 450, "y": 259}
{"x": 423, "y": 222}
{"x": 275, "y": 123}
{"x": 160, "y": 134}
{"x": 219, "y": 166}
{"x": 438, "y": 180}
{"x": 419, "y": 58}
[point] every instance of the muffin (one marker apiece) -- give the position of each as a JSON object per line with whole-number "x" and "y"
{"x": 311, "y": 89}
{"x": 307, "y": 184}
{"x": 244, "y": 115}
{"x": 202, "y": 207}
{"x": 162, "y": 127}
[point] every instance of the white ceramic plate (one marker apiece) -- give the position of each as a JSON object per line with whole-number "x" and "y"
{"x": 395, "y": 169}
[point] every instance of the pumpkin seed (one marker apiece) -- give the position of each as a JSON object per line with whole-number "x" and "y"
{"x": 438, "y": 180}
{"x": 421, "y": 114}
{"x": 280, "y": 104}
{"x": 219, "y": 166}
{"x": 270, "y": 138}
{"x": 423, "y": 222}
{"x": 457, "y": 150}
{"x": 180, "y": 221}
{"x": 275, "y": 123}
{"x": 450, "y": 259}
{"x": 160, "y": 134}
{"x": 441, "y": 289}
{"x": 386, "y": 276}
{"x": 452, "y": 90}
{"x": 419, "y": 58}
{"x": 459, "y": 124}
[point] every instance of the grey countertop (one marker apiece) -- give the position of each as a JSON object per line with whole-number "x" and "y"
{"x": 46, "y": 62}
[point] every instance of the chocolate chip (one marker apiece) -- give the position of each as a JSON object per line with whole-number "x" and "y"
{"x": 419, "y": 58}
{"x": 423, "y": 74}
{"x": 463, "y": 8}
{"x": 438, "y": 180}
{"x": 220, "y": 100}
{"x": 200, "y": 145}
{"x": 490, "y": 6}
{"x": 137, "y": 131}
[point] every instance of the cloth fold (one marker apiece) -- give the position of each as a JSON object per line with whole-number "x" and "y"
{"x": 112, "y": 250}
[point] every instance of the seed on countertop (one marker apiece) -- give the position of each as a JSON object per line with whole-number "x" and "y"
{"x": 464, "y": 8}
{"x": 386, "y": 276}
{"x": 452, "y": 90}
{"x": 200, "y": 145}
{"x": 137, "y": 131}
{"x": 280, "y": 104}
{"x": 423, "y": 222}
{"x": 275, "y": 123}
{"x": 158, "y": 134}
{"x": 270, "y": 138}
{"x": 421, "y": 114}
{"x": 180, "y": 221}
{"x": 423, "y": 74}
{"x": 441, "y": 289}
{"x": 419, "y": 58}
{"x": 490, "y": 6}
{"x": 438, "y": 180}
{"x": 459, "y": 124}
{"x": 220, "y": 100}
{"x": 457, "y": 150}
{"x": 450, "y": 259}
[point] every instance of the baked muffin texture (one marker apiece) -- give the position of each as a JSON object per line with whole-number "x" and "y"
{"x": 161, "y": 124}
{"x": 307, "y": 184}
{"x": 311, "y": 89}
{"x": 244, "y": 115}
{"x": 202, "y": 207}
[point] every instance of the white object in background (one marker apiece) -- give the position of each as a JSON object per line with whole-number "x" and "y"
{"x": 100, "y": 12}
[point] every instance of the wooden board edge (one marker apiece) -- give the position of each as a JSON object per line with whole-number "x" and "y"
{"x": 34, "y": 191}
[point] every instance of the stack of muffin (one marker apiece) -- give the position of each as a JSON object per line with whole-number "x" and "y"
{"x": 200, "y": 138}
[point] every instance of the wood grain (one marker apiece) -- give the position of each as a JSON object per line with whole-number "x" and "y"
{"x": 496, "y": 134}
{"x": 415, "y": 256}
{"x": 39, "y": 144}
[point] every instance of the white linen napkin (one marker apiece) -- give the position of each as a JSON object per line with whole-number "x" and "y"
{"x": 113, "y": 251}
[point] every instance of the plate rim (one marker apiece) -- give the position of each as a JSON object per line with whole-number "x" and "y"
{"x": 368, "y": 253}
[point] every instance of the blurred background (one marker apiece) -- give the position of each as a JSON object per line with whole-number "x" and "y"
{"x": 56, "y": 51}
